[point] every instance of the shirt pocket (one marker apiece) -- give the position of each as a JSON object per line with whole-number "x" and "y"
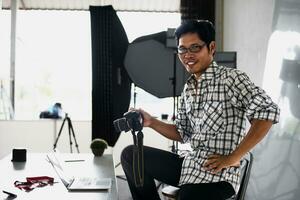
{"x": 213, "y": 119}
{"x": 189, "y": 105}
{"x": 189, "y": 113}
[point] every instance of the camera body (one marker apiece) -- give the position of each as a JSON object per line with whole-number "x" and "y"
{"x": 54, "y": 112}
{"x": 132, "y": 120}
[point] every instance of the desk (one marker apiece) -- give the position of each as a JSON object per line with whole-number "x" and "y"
{"x": 37, "y": 165}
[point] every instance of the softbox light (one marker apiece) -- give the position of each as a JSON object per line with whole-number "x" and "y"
{"x": 151, "y": 65}
{"x": 150, "y": 60}
{"x": 111, "y": 84}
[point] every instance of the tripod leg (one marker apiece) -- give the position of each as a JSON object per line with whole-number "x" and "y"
{"x": 70, "y": 138}
{"x": 73, "y": 133}
{"x": 59, "y": 133}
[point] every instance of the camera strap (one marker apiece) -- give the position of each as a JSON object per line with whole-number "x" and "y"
{"x": 138, "y": 159}
{"x": 34, "y": 182}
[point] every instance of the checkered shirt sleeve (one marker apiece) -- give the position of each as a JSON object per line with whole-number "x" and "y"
{"x": 245, "y": 95}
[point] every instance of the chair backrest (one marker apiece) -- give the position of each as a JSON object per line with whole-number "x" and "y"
{"x": 245, "y": 176}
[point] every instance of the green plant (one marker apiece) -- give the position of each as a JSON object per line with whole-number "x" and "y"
{"x": 98, "y": 143}
{"x": 98, "y": 146}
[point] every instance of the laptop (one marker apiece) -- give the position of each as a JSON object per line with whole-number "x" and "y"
{"x": 77, "y": 183}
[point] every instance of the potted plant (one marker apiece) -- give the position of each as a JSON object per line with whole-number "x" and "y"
{"x": 98, "y": 146}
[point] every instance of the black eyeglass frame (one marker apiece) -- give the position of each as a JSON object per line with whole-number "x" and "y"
{"x": 194, "y": 48}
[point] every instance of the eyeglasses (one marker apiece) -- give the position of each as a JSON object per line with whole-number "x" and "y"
{"x": 194, "y": 48}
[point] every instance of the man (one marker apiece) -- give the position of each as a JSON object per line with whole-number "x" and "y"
{"x": 214, "y": 105}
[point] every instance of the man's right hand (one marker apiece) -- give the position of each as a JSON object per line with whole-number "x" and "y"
{"x": 165, "y": 129}
{"x": 146, "y": 116}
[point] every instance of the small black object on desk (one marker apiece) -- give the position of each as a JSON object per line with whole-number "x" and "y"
{"x": 19, "y": 155}
{"x": 10, "y": 195}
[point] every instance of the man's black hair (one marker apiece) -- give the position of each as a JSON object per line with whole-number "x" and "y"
{"x": 203, "y": 28}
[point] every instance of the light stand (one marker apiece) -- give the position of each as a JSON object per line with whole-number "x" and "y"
{"x": 134, "y": 95}
{"x": 171, "y": 43}
{"x": 174, "y": 147}
{"x": 71, "y": 133}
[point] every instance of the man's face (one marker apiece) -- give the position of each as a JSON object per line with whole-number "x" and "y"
{"x": 194, "y": 54}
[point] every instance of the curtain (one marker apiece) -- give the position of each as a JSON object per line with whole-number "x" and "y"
{"x": 111, "y": 85}
{"x": 198, "y": 9}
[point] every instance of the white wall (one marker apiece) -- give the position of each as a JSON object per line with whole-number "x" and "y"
{"x": 39, "y": 135}
{"x": 247, "y": 29}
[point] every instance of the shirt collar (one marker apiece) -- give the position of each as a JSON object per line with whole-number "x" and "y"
{"x": 208, "y": 74}
{"x": 210, "y": 71}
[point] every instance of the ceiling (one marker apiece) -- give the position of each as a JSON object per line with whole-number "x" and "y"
{"x": 119, "y": 5}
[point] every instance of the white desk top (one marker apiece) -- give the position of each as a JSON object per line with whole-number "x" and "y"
{"x": 37, "y": 165}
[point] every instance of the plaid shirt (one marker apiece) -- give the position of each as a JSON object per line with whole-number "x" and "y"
{"x": 212, "y": 118}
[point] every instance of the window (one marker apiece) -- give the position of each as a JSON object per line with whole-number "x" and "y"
{"x": 283, "y": 45}
{"x": 4, "y": 64}
{"x": 53, "y": 60}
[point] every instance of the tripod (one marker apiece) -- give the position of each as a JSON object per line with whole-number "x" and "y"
{"x": 71, "y": 133}
{"x": 174, "y": 147}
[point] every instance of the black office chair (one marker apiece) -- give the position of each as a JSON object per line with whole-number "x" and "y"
{"x": 170, "y": 192}
{"x": 245, "y": 176}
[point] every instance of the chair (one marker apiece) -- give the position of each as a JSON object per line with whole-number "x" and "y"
{"x": 245, "y": 176}
{"x": 170, "y": 192}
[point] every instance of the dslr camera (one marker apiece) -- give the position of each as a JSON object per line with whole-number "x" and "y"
{"x": 132, "y": 120}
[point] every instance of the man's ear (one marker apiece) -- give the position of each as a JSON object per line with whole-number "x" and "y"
{"x": 212, "y": 47}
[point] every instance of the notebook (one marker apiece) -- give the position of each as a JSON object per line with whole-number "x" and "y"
{"x": 77, "y": 183}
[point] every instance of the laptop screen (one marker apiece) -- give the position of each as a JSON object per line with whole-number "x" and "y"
{"x": 56, "y": 163}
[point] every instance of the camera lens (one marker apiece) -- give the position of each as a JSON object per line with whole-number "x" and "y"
{"x": 121, "y": 125}
{"x": 132, "y": 120}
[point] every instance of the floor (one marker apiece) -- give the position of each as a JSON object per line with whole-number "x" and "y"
{"x": 123, "y": 190}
